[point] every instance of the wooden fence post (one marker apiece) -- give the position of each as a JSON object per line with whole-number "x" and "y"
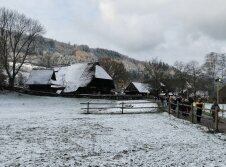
{"x": 122, "y": 106}
{"x": 177, "y": 109}
{"x": 169, "y": 108}
{"x": 222, "y": 111}
{"x": 88, "y": 108}
{"x": 216, "y": 120}
{"x": 192, "y": 113}
{"x": 161, "y": 106}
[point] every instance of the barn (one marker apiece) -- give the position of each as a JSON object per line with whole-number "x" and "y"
{"x": 84, "y": 78}
{"x": 137, "y": 88}
{"x": 80, "y": 78}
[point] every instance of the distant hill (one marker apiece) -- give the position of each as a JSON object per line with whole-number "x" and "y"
{"x": 69, "y": 54}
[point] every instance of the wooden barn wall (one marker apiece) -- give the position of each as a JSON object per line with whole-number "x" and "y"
{"x": 101, "y": 86}
{"x": 44, "y": 88}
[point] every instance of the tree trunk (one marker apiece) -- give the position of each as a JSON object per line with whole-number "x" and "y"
{"x": 11, "y": 83}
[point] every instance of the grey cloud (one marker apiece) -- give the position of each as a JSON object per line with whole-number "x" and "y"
{"x": 175, "y": 22}
{"x": 169, "y": 29}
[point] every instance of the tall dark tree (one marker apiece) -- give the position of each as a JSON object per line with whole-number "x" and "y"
{"x": 195, "y": 73}
{"x": 116, "y": 70}
{"x": 18, "y": 35}
{"x": 156, "y": 72}
{"x": 214, "y": 67}
{"x": 181, "y": 76}
{"x": 2, "y": 76}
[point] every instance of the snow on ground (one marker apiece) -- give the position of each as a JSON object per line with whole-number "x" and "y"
{"x": 53, "y": 131}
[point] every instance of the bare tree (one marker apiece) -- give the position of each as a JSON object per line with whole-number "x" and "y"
{"x": 222, "y": 65}
{"x": 66, "y": 60}
{"x": 181, "y": 75}
{"x": 2, "y": 76}
{"x": 18, "y": 35}
{"x": 195, "y": 72}
{"x": 116, "y": 70}
{"x": 214, "y": 67}
{"x": 156, "y": 72}
{"x": 48, "y": 59}
{"x": 210, "y": 65}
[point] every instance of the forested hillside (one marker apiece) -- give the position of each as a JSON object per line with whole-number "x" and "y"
{"x": 66, "y": 53}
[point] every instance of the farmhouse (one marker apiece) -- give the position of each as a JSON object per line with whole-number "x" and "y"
{"x": 136, "y": 88}
{"x": 84, "y": 78}
{"x": 81, "y": 78}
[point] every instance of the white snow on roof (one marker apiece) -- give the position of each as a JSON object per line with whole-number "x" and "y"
{"x": 141, "y": 87}
{"x": 101, "y": 73}
{"x": 79, "y": 75}
{"x": 71, "y": 77}
{"x": 40, "y": 77}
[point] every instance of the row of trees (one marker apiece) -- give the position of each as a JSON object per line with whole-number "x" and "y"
{"x": 184, "y": 76}
{"x": 181, "y": 77}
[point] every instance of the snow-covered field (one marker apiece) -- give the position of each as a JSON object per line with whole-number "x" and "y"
{"x": 53, "y": 131}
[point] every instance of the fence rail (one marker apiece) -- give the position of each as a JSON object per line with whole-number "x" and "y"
{"x": 189, "y": 113}
{"x": 121, "y": 106}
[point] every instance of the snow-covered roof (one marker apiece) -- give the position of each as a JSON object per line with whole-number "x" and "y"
{"x": 79, "y": 75}
{"x": 71, "y": 77}
{"x": 101, "y": 73}
{"x": 40, "y": 77}
{"x": 141, "y": 87}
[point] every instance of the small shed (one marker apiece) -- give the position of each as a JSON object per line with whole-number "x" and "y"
{"x": 136, "y": 88}
{"x": 41, "y": 80}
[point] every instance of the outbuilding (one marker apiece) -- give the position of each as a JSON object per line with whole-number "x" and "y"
{"x": 41, "y": 80}
{"x": 137, "y": 88}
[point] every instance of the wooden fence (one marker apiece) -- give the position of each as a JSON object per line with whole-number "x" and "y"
{"x": 189, "y": 113}
{"x": 171, "y": 108}
{"x": 90, "y": 107}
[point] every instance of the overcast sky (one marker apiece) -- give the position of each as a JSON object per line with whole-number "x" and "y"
{"x": 171, "y": 30}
